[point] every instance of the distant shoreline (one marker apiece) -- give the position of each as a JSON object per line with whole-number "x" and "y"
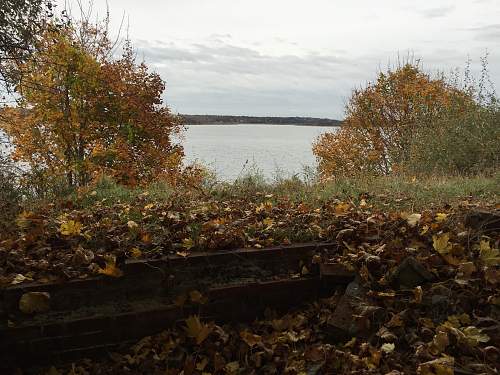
{"x": 269, "y": 124}
{"x": 254, "y": 120}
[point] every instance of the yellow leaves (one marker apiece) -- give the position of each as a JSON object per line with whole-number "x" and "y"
{"x": 441, "y": 243}
{"x": 20, "y": 278}
{"x": 361, "y": 145}
{"x": 197, "y": 330}
{"x": 268, "y": 222}
{"x": 26, "y": 219}
{"x": 439, "y": 343}
{"x": 488, "y": 255}
{"x": 459, "y": 320}
{"x": 43, "y": 134}
{"x": 135, "y": 252}
{"x": 413, "y": 219}
{"x": 146, "y": 238}
{"x": 250, "y": 339}
{"x": 196, "y": 297}
{"x": 149, "y": 206}
{"x": 388, "y": 348}
{"x": 111, "y": 269}
{"x": 70, "y": 228}
{"x": 342, "y": 208}
{"x": 34, "y": 302}
{"x": 474, "y": 336}
{"x": 465, "y": 334}
{"x": 440, "y": 366}
{"x": 187, "y": 243}
{"x": 424, "y": 230}
{"x": 264, "y": 207}
{"x": 441, "y": 217}
{"x": 373, "y": 360}
{"x": 132, "y": 224}
{"x": 232, "y": 368}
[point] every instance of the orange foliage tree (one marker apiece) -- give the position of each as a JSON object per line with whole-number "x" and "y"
{"x": 83, "y": 113}
{"x": 380, "y": 122}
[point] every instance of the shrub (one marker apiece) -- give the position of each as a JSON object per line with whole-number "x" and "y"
{"x": 10, "y": 194}
{"x": 380, "y": 120}
{"x": 82, "y": 112}
{"x": 463, "y": 141}
{"x": 408, "y": 122}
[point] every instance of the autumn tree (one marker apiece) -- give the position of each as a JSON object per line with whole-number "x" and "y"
{"x": 82, "y": 112}
{"x": 20, "y": 23}
{"x": 381, "y": 120}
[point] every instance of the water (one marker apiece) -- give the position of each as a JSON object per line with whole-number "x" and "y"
{"x": 233, "y": 150}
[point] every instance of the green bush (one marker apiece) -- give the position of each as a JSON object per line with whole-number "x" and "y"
{"x": 10, "y": 194}
{"x": 465, "y": 140}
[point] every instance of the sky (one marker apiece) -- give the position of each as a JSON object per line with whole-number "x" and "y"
{"x": 296, "y": 58}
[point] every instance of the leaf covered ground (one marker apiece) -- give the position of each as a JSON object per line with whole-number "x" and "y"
{"x": 442, "y": 319}
{"x": 66, "y": 240}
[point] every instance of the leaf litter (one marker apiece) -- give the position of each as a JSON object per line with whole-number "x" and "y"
{"x": 428, "y": 300}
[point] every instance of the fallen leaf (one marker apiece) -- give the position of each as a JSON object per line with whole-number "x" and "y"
{"x": 492, "y": 275}
{"x": 180, "y": 300}
{"x": 232, "y": 368}
{"x": 342, "y": 208}
{"x": 388, "y": 348}
{"x": 489, "y": 256}
{"x": 268, "y": 222}
{"x": 187, "y": 243}
{"x": 418, "y": 294}
{"x": 250, "y": 339}
{"x": 465, "y": 270}
{"x": 111, "y": 269}
{"x": 196, "y": 329}
{"x": 34, "y": 302}
{"x": 424, "y": 230}
{"x": 132, "y": 224}
{"x": 474, "y": 336}
{"x": 196, "y": 297}
{"x": 440, "y": 366}
{"x": 441, "y": 243}
{"x": 439, "y": 343}
{"x": 70, "y": 228}
{"x": 440, "y": 217}
{"x": 53, "y": 371}
{"x": 135, "y": 252}
{"x": 413, "y": 219}
{"x": 19, "y": 278}
{"x": 200, "y": 366}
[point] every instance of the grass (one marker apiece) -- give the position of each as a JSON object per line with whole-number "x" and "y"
{"x": 389, "y": 192}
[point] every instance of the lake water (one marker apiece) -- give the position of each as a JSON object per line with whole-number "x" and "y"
{"x": 233, "y": 150}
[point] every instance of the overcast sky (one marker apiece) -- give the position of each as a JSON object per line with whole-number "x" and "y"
{"x": 297, "y": 58}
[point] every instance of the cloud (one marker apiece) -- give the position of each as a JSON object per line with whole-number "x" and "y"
{"x": 220, "y": 77}
{"x": 438, "y": 12}
{"x": 488, "y": 33}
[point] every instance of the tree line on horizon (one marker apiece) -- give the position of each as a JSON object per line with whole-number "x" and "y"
{"x": 228, "y": 119}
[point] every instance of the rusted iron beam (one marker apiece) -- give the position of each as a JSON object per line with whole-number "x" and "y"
{"x": 65, "y": 337}
{"x": 160, "y": 277}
